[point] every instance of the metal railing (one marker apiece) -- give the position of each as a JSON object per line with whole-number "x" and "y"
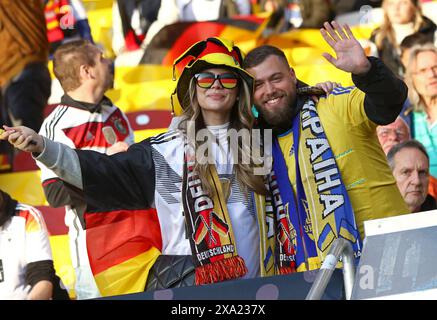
{"x": 340, "y": 248}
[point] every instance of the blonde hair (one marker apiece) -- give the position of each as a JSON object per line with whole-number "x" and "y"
{"x": 241, "y": 118}
{"x": 414, "y": 96}
{"x": 386, "y": 30}
{"x": 67, "y": 60}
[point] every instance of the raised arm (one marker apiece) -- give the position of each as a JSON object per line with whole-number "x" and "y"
{"x": 350, "y": 55}
{"x": 385, "y": 93}
{"x": 23, "y": 138}
{"x": 54, "y": 155}
{"x": 125, "y": 180}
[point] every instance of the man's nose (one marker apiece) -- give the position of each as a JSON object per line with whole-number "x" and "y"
{"x": 269, "y": 87}
{"x": 415, "y": 178}
{"x": 392, "y": 135}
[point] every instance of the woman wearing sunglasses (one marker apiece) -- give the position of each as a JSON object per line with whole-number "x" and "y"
{"x": 184, "y": 193}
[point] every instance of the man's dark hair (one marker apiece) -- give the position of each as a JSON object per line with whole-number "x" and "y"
{"x": 259, "y": 54}
{"x": 409, "y": 144}
{"x": 413, "y": 39}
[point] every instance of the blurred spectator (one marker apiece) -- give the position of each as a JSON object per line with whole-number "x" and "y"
{"x": 85, "y": 119}
{"x": 53, "y": 11}
{"x": 409, "y": 42}
{"x": 24, "y": 77}
{"x": 299, "y": 13}
{"x": 131, "y": 20}
{"x": 26, "y": 265}
{"x": 344, "y": 6}
{"x": 393, "y": 133}
{"x": 421, "y": 77}
{"x": 81, "y": 28}
{"x": 410, "y": 165}
{"x": 172, "y": 11}
{"x": 314, "y": 13}
{"x": 66, "y": 21}
{"x": 401, "y": 18}
{"x": 405, "y": 46}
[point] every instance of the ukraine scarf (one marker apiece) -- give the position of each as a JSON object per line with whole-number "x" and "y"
{"x": 319, "y": 209}
{"x": 277, "y": 235}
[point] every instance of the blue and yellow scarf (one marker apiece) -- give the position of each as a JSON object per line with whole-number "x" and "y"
{"x": 319, "y": 210}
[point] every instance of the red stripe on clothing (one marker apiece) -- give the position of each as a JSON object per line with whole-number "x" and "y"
{"x": 32, "y": 225}
{"x": 114, "y": 237}
{"x": 99, "y": 134}
{"x": 49, "y": 181}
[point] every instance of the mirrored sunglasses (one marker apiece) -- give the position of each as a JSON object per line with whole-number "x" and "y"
{"x": 205, "y": 80}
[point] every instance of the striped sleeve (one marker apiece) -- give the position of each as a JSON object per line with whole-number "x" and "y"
{"x": 51, "y": 130}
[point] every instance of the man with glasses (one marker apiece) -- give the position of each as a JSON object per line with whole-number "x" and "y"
{"x": 393, "y": 133}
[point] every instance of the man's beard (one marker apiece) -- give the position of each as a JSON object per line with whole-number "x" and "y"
{"x": 280, "y": 120}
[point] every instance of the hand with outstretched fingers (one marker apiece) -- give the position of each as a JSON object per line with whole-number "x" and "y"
{"x": 350, "y": 55}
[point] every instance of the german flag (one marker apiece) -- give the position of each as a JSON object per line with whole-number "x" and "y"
{"x": 122, "y": 247}
{"x": 119, "y": 272}
{"x": 163, "y": 49}
{"x": 206, "y": 226}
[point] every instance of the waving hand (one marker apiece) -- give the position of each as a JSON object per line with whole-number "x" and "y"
{"x": 350, "y": 55}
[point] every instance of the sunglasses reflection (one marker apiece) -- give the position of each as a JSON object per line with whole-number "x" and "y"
{"x": 206, "y": 80}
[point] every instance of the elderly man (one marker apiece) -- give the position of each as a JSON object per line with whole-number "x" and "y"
{"x": 410, "y": 164}
{"x": 397, "y": 132}
{"x": 421, "y": 78}
{"x": 393, "y": 133}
